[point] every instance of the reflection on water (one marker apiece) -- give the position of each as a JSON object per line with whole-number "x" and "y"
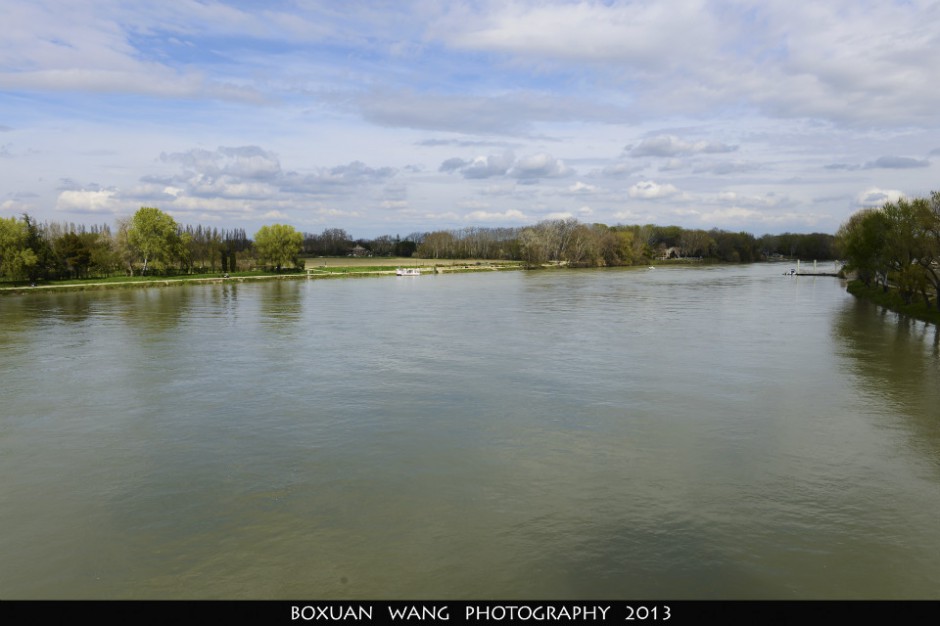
{"x": 698, "y": 433}
{"x": 897, "y": 362}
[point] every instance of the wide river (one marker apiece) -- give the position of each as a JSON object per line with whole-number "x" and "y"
{"x": 721, "y": 432}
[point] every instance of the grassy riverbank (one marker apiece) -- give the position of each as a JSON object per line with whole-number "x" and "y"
{"x": 316, "y": 268}
{"x": 893, "y": 301}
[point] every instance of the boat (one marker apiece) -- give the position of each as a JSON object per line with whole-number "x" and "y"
{"x": 407, "y": 271}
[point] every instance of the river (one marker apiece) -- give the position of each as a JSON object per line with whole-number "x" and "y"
{"x": 723, "y": 432}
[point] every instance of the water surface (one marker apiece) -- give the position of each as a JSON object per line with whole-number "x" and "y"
{"x": 723, "y": 432}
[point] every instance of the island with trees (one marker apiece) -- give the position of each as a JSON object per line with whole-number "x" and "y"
{"x": 894, "y": 254}
{"x": 151, "y": 244}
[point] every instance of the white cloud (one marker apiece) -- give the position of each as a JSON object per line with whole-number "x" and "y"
{"x": 650, "y": 190}
{"x": 540, "y": 165}
{"x": 594, "y": 32}
{"x": 88, "y": 201}
{"x": 324, "y": 115}
{"x": 488, "y": 166}
{"x": 511, "y": 215}
{"x": 527, "y": 168}
{"x": 671, "y": 146}
{"x": 580, "y": 187}
{"x": 14, "y": 206}
{"x": 876, "y": 197}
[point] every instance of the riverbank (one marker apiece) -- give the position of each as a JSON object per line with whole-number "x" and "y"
{"x": 893, "y": 301}
{"x": 315, "y": 269}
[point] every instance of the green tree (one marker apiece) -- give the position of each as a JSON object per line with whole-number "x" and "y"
{"x": 16, "y": 258}
{"x": 278, "y": 244}
{"x": 862, "y": 243}
{"x": 37, "y": 242}
{"x": 930, "y": 221}
{"x": 904, "y": 244}
{"x": 154, "y": 237}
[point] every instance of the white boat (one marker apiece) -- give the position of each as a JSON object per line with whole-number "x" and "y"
{"x": 408, "y": 271}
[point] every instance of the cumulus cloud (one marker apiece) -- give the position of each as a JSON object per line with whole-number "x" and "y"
{"x": 88, "y": 201}
{"x": 489, "y": 166}
{"x": 452, "y": 165}
{"x": 241, "y": 162}
{"x": 580, "y": 187}
{"x": 875, "y": 197}
{"x": 649, "y": 190}
{"x": 13, "y": 206}
{"x": 671, "y": 146}
{"x": 525, "y": 169}
{"x": 540, "y": 165}
{"x": 354, "y": 173}
{"x": 250, "y": 172}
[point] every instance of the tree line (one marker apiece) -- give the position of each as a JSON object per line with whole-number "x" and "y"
{"x": 152, "y": 242}
{"x": 897, "y": 245}
{"x": 578, "y": 244}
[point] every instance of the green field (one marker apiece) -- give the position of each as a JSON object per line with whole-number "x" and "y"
{"x": 386, "y": 263}
{"x": 320, "y": 267}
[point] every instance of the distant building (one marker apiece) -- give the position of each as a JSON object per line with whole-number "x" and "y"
{"x": 671, "y": 253}
{"x": 359, "y": 251}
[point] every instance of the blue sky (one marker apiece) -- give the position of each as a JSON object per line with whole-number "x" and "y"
{"x": 394, "y": 117}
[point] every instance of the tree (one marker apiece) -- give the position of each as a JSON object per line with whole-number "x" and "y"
{"x": 533, "y": 248}
{"x": 929, "y": 216}
{"x": 695, "y": 243}
{"x": 16, "y": 258}
{"x": 39, "y": 245}
{"x": 278, "y": 244}
{"x": 905, "y": 244}
{"x": 436, "y": 245}
{"x": 861, "y": 241}
{"x": 154, "y": 237}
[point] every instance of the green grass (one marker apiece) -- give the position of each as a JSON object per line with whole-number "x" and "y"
{"x": 129, "y": 281}
{"x": 150, "y": 278}
{"x": 893, "y": 301}
{"x": 319, "y": 268}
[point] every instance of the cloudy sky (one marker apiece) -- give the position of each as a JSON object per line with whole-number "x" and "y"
{"x": 414, "y": 115}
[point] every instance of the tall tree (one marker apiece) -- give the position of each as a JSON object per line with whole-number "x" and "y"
{"x": 861, "y": 241}
{"x": 278, "y": 244}
{"x": 16, "y": 258}
{"x": 154, "y": 236}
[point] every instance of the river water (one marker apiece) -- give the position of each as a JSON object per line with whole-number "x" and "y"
{"x": 722, "y": 432}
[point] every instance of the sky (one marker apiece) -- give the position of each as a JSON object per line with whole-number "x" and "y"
{"x": 377, "y": 117}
